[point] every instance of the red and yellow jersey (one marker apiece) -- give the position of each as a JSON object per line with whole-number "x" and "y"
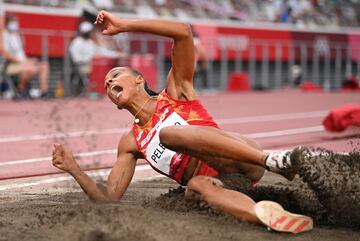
{"x": 169, "y": 112}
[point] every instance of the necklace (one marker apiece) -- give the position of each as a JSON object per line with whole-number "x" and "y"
{"x": 136, "y": 120}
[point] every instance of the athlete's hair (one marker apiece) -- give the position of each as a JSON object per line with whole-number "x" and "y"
{"x": 146, "y": 86}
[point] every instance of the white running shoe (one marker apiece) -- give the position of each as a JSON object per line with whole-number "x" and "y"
{"x": 279, "y": 162}
{"x": 275, "y": 217}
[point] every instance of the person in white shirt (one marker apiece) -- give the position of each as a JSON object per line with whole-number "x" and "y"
{"x": 84, "y": 48}
{"x": 18, "y": 63}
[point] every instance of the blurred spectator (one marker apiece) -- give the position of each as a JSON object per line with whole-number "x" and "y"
{"x": 88, "y": 44}
{"x": 303, "y": 13}
{"x": 3, "y": 85}
{"x": 82, "y": 50}
{"x": 144, "y": 10}
{"x": 296, "y": 75}
{"x": 103, "y": 4}
{"x": 18, "y": 64}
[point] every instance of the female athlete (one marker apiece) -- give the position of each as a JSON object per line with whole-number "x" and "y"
{"x": 178, "y": 138}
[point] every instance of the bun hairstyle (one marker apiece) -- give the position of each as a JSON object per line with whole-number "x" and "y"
{"x": 146, "y": 85}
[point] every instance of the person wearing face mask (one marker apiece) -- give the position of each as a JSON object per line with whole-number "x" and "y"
{"x": 4, "y": 93}
{"x": 19, "y": 64}
{"x": 83, "y": 49}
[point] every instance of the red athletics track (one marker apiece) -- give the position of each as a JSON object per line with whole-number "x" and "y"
{"x": 277, "y": 120}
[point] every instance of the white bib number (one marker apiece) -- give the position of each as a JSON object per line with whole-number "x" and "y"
{"x": 157, "y": 154}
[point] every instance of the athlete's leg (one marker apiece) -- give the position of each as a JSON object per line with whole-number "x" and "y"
{"x": 253, "y": 172}
{"x": 268, "y": 213}
{"x": 212, "y": 191}
{"x": 247, "y": 140}
{"x": 202, "y": 141}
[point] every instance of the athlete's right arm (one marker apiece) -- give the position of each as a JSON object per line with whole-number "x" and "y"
{"x": 118, "y": 180}
{"x": 180, "y": 79}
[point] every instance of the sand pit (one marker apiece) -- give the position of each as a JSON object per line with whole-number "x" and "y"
{"x": 149, "y": 211}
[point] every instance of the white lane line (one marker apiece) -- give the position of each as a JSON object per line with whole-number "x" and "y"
{"x": 286, "y": 132}
{"x": 113, "y": 151}
{"x": 263, "y": 118}
{"x": 101, "y": 173}
{"x": 227, "y": 121}
{"x": 62, "y": 135}
{"x": 48, "y": 158}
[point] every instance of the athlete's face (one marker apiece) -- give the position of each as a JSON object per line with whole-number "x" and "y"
{"x": 120, "y": 85}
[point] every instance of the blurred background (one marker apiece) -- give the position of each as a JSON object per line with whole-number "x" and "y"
{"x": 51, "y": 48}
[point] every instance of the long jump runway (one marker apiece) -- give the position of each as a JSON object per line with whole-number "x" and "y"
{"x": 92, "y": 128}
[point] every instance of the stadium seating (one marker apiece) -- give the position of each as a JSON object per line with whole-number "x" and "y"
{"x": 304, "y": 13}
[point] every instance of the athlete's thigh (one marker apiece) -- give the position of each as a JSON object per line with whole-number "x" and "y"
{"x": 246, "y": 140}
{"x": 228, "y": 166}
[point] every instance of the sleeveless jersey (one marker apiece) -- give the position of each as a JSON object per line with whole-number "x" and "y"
{"x": 170, "y": 112}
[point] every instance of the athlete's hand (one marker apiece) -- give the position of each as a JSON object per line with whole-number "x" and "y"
{"x": 110, "y": 24}
{"x": 63, "y": 159}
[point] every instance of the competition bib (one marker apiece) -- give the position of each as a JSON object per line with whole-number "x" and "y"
{"x": 159, "y": 156}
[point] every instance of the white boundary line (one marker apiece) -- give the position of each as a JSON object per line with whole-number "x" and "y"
{"x": 286, "y": 132}
{"x": 62, "y": 135}
{"x": 47, "y": 158}
{"x": 263, "y": 118}
{"x": 227, "y": 121}
{"x": 51, "y": 180}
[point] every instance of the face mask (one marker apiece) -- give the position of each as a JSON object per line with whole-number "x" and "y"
{"x": 13, "y": 26}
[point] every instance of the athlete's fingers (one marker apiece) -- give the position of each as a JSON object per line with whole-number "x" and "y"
{"x": 58, "y": 149}
{"x": 99, "y": 18}
{"x": 57, "y": 161}
{"x": 97, "y": 21}
{"x": 102, "y": 15}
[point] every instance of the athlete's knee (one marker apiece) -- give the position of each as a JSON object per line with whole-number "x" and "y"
{"x": 202, "y": 183}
